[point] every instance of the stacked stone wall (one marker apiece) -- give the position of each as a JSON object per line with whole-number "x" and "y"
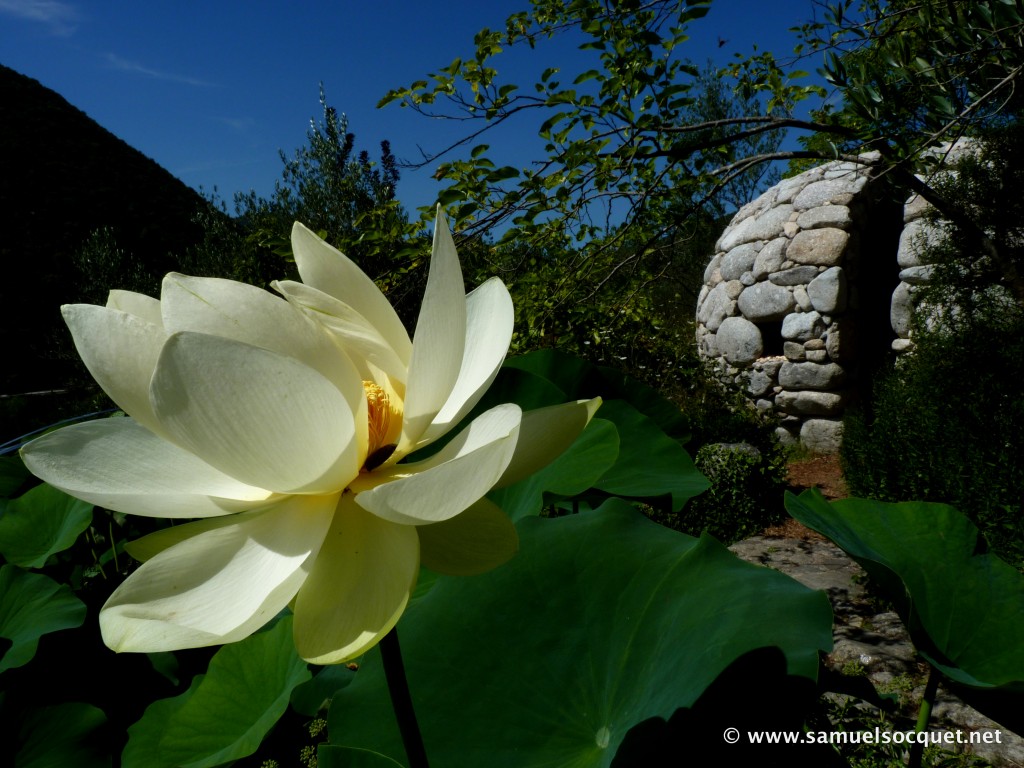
{"x": 809, "y": 288}
{"x": 920, "y": 232}
{"x": 776, "y": 313}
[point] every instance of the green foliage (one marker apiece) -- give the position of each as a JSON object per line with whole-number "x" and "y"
{"x": 625, "y": 301}
{"x": 913, "y": 72}
{"x": 592, "y": 673}
{"x": 745, "y": 493}
{"x": 946, "y": 423}
{"x": 225, "y": 713}
{"x": 32, "y": 605}
{"x": 578, "y": 378}
{"x": 641, "y": 325}
{"x": 631, "y": 449}
{"x": 851, "y": 716}
{"x": 720, "y": 105}
{"x": 572, "y": 473}
{"x": 310, "y": 697}
{"x": 102, "y": 264}
{"x": 963, "y": 616}
{"x": 650, "y": 464}
{"x": 605, "y": 238}
{"x": 13, "y": 476}
{"x": 639, "y": 140}
{"x": 39, "y": 523}
{"x": 331, "y": 756}
{"x": 972, "y": 287}
{"x": 639, "y": 133}
{"x": 348, "y": 199}
{"x": 608, "y": 605}
{"x": 602, "y": 590}
{"x": 64, "y": 734}
{"x": 227, "y": 250}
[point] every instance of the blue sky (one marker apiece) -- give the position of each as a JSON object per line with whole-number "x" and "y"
{"x": 212, "y": 90}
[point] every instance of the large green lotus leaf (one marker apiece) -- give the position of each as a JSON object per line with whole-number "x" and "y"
{"x": 579, "y": 379}
{"x": 40, "y": 523}
{"x": 32, "y": 605}
{"x": 577, "y": 469}
{"x": 602, "y": 621}
{"x": 963, "y": 606}
{"x": 12, "y": 474}
{"x": 309, "y": 698}
{"x": 224, "y": 714}
{"x": 525, "y": 389}
{"x": 621, "y": 453}
{"x": 60, "y": 736}
{"x": 650, "y": 464}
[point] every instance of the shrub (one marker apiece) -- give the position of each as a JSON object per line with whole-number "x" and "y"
{"x": 745, "y": 494}
{"x": 947, "y": 425}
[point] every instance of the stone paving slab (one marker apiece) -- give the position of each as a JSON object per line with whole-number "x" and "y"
{"x": 868, "y": 636}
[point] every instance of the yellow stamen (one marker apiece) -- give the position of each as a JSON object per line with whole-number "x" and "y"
{"x": 379, "y": 415}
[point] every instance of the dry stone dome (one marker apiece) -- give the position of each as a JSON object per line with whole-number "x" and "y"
{"x": 796, "y": 276}
{"x": 811, "y": 284}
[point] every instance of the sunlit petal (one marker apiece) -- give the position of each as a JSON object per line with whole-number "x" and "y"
{"x": 439, "y": 340}
{"x": 249, "y": 314}
{"x": 355, "y": 334}
{"x": 139, "y": 304}
{"x": 122, "y": 466}
{"x": 257, "y": 416}
{"x": 120, "y": 350}
{"x": 285, "y": 425}
{"x": 329, "y": 270}
{"x": 489, "y": 320}
{"x": 358, "y": 587}
{"x": 448, "y": 482}
{"x": 544, "y": 434}
{"x": 221, "y": 585}
{"x": 151, "y": 545}
{"x": 475, "y": 541}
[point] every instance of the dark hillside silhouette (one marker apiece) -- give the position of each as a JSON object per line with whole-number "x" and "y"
{"x": 62, "y": 177}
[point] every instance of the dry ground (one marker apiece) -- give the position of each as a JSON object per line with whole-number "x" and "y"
{"x": 821, "y": 472}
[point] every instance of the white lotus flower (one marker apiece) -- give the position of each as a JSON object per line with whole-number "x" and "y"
{"x": 281, "y": 424}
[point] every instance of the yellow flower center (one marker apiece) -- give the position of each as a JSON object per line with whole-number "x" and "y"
{"x": 379, "y": 425}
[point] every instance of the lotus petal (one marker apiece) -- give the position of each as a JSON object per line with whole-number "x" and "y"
{"x": 358, "y": 588}
{"x": 329, "y": 270}
{"x": 257, "y": 416}
{"x": 149, "y": 546}
{"x": 139, "y": 304}
{"x": 439, "y": 341}
{"x": 475, "y": 541}
{"x": 249, "y": 314}
{"x": 120, "y": 350}
{"x": 121, "y": 465}
{"x": 489, "y": 320}
{"x": 448, "y": 482}
{"x": 366, "y": 346}
{"x": 219, "y": 586}
{"x": 545, "y": 433}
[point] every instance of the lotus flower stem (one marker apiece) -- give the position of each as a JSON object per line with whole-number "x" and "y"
{"x": 923, "y": 714}
{"x": 401, "y": 700}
